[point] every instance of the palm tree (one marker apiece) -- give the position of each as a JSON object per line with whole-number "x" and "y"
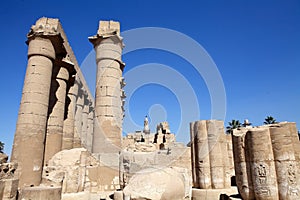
{"x": 233, "y": 125}
{"x": 1, "y": 147}
{"x": 270, "y": 120}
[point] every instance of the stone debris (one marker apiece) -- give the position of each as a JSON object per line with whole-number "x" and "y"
{"x": 155, "y": 183}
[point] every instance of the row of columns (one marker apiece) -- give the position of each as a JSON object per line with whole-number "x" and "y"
{"x": 56, "y": 112}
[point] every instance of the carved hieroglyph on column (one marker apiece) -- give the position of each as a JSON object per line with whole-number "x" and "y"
{"x": 267, "y": 161}
{"x": 28, "y": 147}
{"x": 210, "y": 164}
{"x": 108, "y": 45}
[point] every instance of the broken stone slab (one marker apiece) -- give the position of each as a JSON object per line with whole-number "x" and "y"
{"x": 9, "y": 189}
{"x": 40, "y": 192}
{"x": 158, "y": 183}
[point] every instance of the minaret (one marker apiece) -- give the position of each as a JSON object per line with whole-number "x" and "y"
{"x": 146, "y": 130}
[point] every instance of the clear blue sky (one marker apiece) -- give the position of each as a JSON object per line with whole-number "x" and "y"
{"x": 254, "y": 44}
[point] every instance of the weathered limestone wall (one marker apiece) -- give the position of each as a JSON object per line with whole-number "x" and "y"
{"x": 210, "y": 164}
{"x": 267, "y": 161}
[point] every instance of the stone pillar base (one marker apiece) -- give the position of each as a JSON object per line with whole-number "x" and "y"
{"x": 118, "y": 195}
{"x": 213, "y": 194}
{"x": 40, "y": 193}
{"x": 9, "y": 189}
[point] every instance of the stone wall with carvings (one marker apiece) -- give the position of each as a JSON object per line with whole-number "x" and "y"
{"x": 267, "y": 161}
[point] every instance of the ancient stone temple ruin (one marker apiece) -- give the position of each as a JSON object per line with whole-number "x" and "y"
{"x": 68, "y": 142}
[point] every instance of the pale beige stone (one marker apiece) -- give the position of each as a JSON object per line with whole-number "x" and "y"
{"x": 216, "y": 194}
{"x": 54, "y": 135}
{"x": 9, "y": 189}
{"x": 108, "y": 46}
{"x": 159, "y": 183}
{"x": 78, "y": 117}
{"x": 45, "y": 193}
{"x": 211, "y": 168}
{"x": 69, "y": 122}
{"x": 267, "y": 161}
{"x": 33, "y": 112}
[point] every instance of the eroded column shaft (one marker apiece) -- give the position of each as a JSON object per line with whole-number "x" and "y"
{"x": 28, "y": 148}
{"x": 202, "y": 158}
{"x": 55, "y": 123}
{"x": 78, "y": 119}
{"x": 85, "y": 114}
{"x": 262, "y": 164}
{"x": 242, "y": 165}
{"x": 215, "y": 132}
{"x": 108, "y": 100}
{"x": 285, "y": 159}
{"x": 90, "y": 128}
{"x": 193, "y": 153}
{"x": 69, "y": 123}
{"x": 209, "y": 147}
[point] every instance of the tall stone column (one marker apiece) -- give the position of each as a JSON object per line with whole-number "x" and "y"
{"x": 28, "y": 147}
{"x": 108, "y": 45}
{"x": 210, "y": 156}
{"x": 78, "y": 118}
{"x": 69, "y": 123}
{"x": 193, "y": 153}
{"x": 262, "y": 165}
{"x": 242, "y": 165}
{"x": 85, "y": 114}
{"x": 90, "y": 123}
{"x": 55, "y": 124}
{"x": 203, "y": 174}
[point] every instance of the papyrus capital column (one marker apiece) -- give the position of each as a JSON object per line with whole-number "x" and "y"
{"x": 45, "y": 45}
{"x": 78, "y": 116}
{"x": 69, "y": 122}
{"x": 55, "y": 123}
{"x": 108, "y": 45}
{"x": 28, "y": 147}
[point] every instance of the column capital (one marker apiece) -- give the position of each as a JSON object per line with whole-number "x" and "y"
{"x": 48, "y": 28}
{"x": 107, "y": 29}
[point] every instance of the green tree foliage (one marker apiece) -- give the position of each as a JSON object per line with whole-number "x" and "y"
{"x": 270, "y": 120}
{"x": 233, "y": 125}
